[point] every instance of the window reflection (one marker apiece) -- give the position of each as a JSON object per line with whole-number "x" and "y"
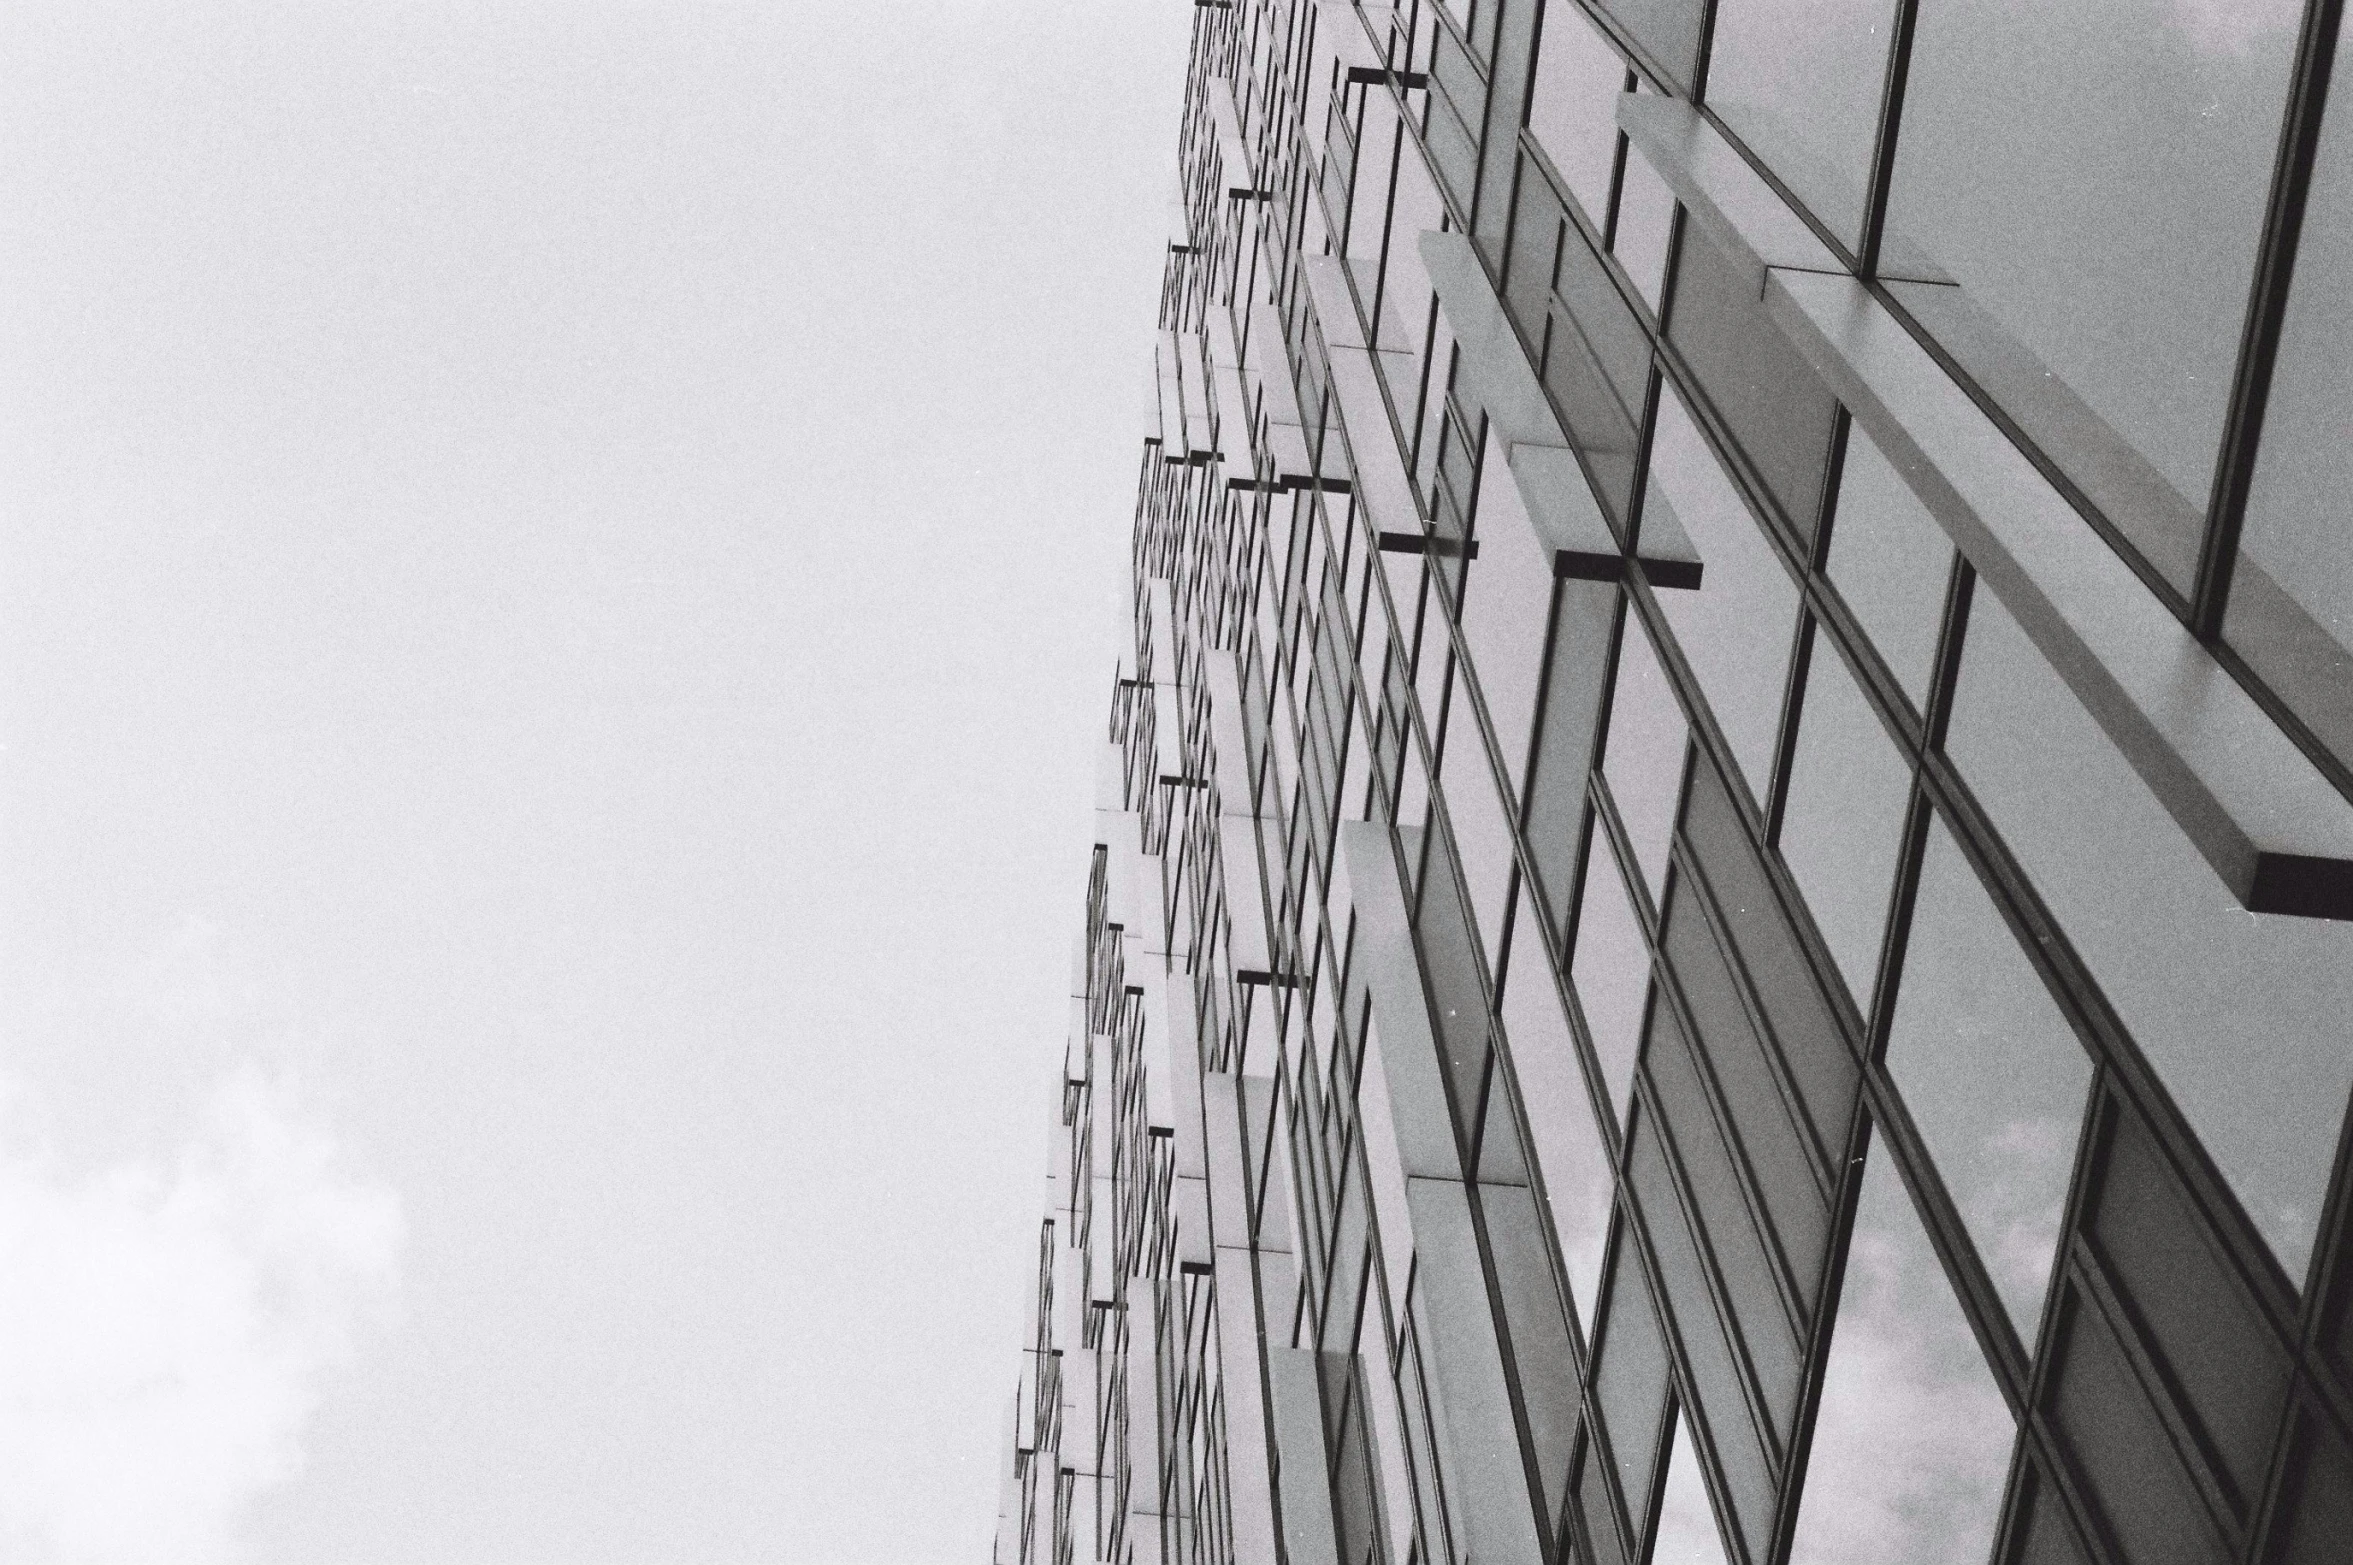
{"x": 1912, "y": 1439}
{"x": 2095, "y": 176}
{"x": 2291, "y": 607}
{"x": 1737, "y": 629}
{"x": 1993, "y": 1076}
{"x": 1630, "y": 1382}
{"x": 1687, "y": 1523}
{"x": 1611, "y": 970}
{"x": 1642, "y": 752}
{"x": 1890, "y": 561}
{"x": 1800, "y": 81}
{"x": 2241, "y": 1013}
{"x": 1573, "y": 106}
{"x": 1844, "y": 818}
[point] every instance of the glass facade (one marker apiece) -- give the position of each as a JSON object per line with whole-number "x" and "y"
{"x": 1722, "y": 915}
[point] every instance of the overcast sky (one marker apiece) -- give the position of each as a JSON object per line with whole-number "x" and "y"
{"x": 558, "y": 579}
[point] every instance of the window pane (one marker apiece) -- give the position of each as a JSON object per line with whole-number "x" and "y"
{"x": 1912, "y": 1440}
{"x": 1506, "y": 600}
{"x": 1630, "y": 1382}
{"x": 1721, "y": 1213}
{"x": 2298, "y": 537}
{"x": 1889, "y": 561}
{"x": 2095, "y": 177}
{"x": 1482, "y": 836}
{"x": 1573, "y": 109}
{"x": 1779, "y": 413}
{"x": 1800, "y": 81}
{"x": 1844, "y": 820}
{"x": 1568, "y": 1148}
{"x": 1668, "y": 29}
{"x": 1646, "y": 215}
{"x": 1611, "y": 970}
{"x": 1642, "y": 754}
{"x": 2243, "y": 1014}
{"x": 1738, "y": 627}
{"x": 1716, "y": 1377}
{"x": 1687, "y": 1523}
{"x": 1993, "y": 1075}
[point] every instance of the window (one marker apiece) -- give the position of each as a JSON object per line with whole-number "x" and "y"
{"x": 1573, "y": 106}
{"x": 1889, "y": 561}
{"x": 1611, "y": 970}
{"x": 2291, "y": 608}
{"x": 2095, "y": 177}
{"x": 1645, "y": 222}
{"x": 1842, "y": 824}
{"x": 1993, "y": 1076}
{"x": 2241, "y": 1013}
{"x": 1800, "y": 82}
{"x": 1738, "y": 628}
{"x": 1912, "y": 1438}
{"x": 1642, "y": 753}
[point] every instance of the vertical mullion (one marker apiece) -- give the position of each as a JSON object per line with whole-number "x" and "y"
{"x": 2267, "y": 306}
{"x": 1891, "y": 108}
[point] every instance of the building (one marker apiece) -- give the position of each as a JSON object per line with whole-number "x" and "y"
{"x": 1723, "y": 921}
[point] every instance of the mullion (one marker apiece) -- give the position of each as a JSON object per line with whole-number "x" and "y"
{"x": 2267, "y": 305}
{"x": 1877, "y": 196}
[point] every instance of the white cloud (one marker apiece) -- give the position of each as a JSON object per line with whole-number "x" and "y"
{"x": 163, "y": 1331}
{"x": 1912, "y": 1442}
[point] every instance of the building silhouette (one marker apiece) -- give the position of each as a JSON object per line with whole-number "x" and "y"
{"x": 1722, "y": 928}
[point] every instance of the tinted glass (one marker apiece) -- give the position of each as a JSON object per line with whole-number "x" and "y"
{"x": 1630, "y": 1382}
{"x": 1799, "y": 81}
{"x": 1753, "y": 1094}
{"x": 1744, "y": 1258}
{"x": 2319, "y": 1516}
{"x": 1993, "y": 1076}
{"x": 1601, "y": 1529}
{"x": 1738, "y": 627}
{"x": 1780, "y": 414}
{"x": 2241, "y": 1013}
{"x": 1889, "y": 561}
{"x": 1569, "y": 1151}
{"x": 1812, "y": 1043}
{"x": 1573, "y": 107}
{"x": 1687, "y": 1522}
{"x": 2095, "y": 176}
{"x": 1611, "y": 969}
{"x": 1642, "y": 754}
{"x": 1540, "y": 1331}
{"x": 2132, "y": 1470}
{"x": 2298, "y": 538}
{"x": 1716, "y": 1377}
{"x": 2194, "y": 1313}
{"x": 1843, "y": 821}
{"x": 1912, "y": 1438}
